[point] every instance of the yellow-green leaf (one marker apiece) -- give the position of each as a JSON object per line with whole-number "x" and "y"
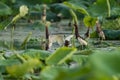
{"x": 76, "y": 8}
{"x": 19, "y": 70}
{"x": 60, "y": 55}
{"x": 89, "y": 21}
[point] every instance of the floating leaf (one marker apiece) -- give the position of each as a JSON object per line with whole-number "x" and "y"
{"x": 39, "y": 54}
{"x": 20, "y": 70}
{"x": 62, "y": 73}
{"x": 8, "y": 62}
{"x": 76, "y": 73}
{"x": 49, "y": 73}
{"x": 60, "y": 8}
{"x": 80, "y": 59}
{"x": 106, "y": 61}
{"x": 60, "y": 55}
{"x": 84, "y": 52}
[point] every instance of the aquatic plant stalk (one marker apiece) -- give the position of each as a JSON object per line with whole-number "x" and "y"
{"x": 12, "y": 39}
{"x": 87, "y": 34}
{"x": 43, "y": 16}
{"x": 73, "y": 38}
{"x": 75, "y": 23}
{"x": 25, "y": 40}
{"x": 76, "y": 30}
{"x": 47, "y": 38}
{"x": 108, "y": 5}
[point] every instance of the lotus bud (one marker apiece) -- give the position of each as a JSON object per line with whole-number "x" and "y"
{"x": 23, "y": 10}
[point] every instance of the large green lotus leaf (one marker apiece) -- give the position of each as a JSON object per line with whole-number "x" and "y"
{"x": 77, "y": 73}
{"x": 60, "y": 8}
{"x": 81, "y": 3}
{"x": 31, "y": 53}
{"x": 115, "y": 7}
{"x": 76, "y": 8}
{"x": 40, "y": 54}
{"x": 4, "y": 9}
{"x": 89, "y": 21}
{"x": 50, "y": 73}
{"x": 63, "y": 73}
{"x": 60, "y": 55}
{"x": 19, "y": 70}
{"x": 106, "y": 61}
{"x": 84, "y": 52}
{"x": 100, "y": 8}
{"x": 115, "y": 11}
{"x": 33, "y": 2}
{"x": 64, "y": 10}
{"x": 80, "y": 59}
{"x": 8, "y": 62}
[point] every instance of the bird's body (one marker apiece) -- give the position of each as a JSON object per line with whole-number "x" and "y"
{"x": 99, "y": 31}
{"x": 56, "y": 38}
{"x": 82, "y": 42}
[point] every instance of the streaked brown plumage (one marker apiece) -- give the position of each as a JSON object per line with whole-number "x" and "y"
{"x": 99, "y": 31}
